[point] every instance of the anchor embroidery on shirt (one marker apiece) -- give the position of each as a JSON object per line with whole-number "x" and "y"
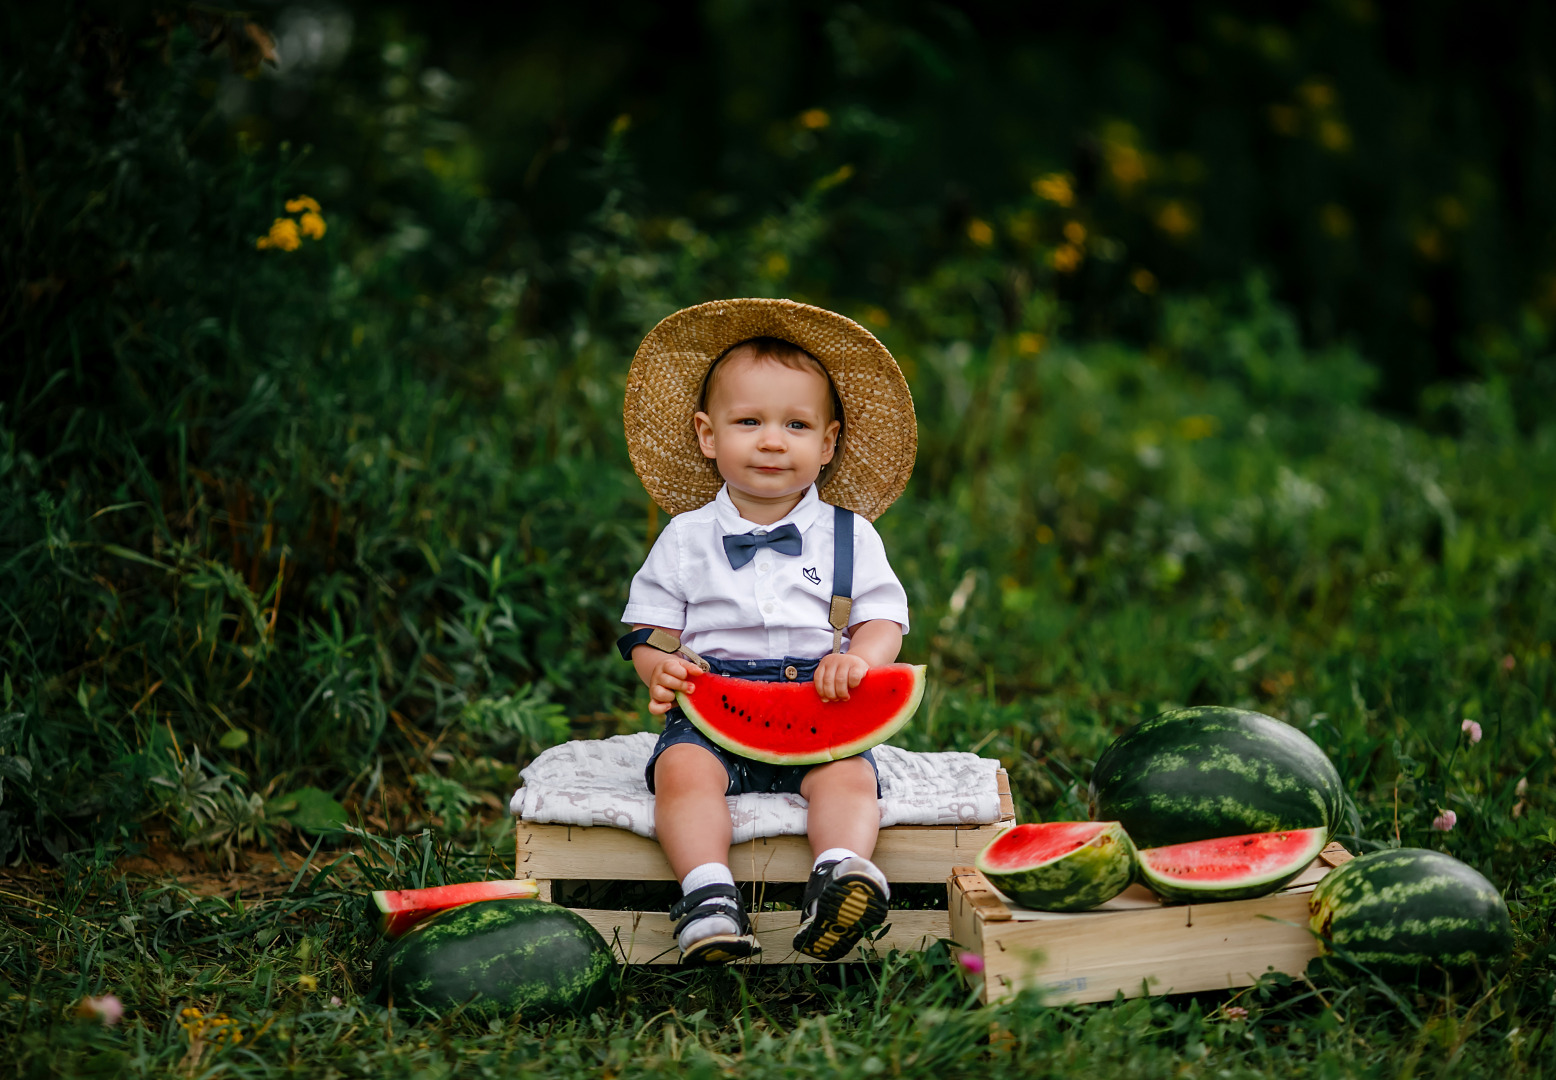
{"x": 811, "y": 575}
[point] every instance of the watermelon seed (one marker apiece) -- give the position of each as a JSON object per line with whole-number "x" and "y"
{"x": 813, "y": 731}
{"x": 767, "y": 723}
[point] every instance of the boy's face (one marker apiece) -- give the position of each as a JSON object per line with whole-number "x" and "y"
{"x": 768, "y": 427}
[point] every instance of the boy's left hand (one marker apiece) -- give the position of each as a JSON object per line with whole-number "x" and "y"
{"x": 838, "y": 673}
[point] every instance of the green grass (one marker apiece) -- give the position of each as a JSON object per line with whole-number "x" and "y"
{"x": 339, "y": 536}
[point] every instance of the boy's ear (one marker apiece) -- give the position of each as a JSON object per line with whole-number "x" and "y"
{"x": 829, "y": 441}
{"x": 704, "y": 425}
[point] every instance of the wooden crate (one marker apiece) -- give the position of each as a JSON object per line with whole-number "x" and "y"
{"x": 558, "y": 854}
{"x": 1134, "y": 944}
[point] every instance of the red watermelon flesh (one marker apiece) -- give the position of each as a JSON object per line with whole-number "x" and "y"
{"x": 397, "y": 910}
{"x": 1230, "y": 867}
{"x": 787, "y": 723}
{"x": 1060, "y": 865}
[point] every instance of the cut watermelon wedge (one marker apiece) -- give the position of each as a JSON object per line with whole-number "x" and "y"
{"x": 788, "y": 724}
{"x": 397, "y": 910}
{"x": 1060, "y": 865}
{"x": 1230, "y": 867}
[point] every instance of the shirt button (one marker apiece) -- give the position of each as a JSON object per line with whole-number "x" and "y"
{"x": 767, "y": 608}
{"x": 791, "y": 673}
{"x": 764, "y": 567}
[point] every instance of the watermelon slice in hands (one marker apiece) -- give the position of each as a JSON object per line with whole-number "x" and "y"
{"x": 787, "y": 723}
{"x": 397, "y": 910}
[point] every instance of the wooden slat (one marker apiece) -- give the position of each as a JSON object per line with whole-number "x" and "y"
{"x": 906, "y": 853}
{"x": 973, "y": 889}
{"x": 1335, "y": 854}
{"x": 646, "y": 937}
{"x": 1007, "y": 804}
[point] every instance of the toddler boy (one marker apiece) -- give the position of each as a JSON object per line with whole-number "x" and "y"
{"x": 734, "y": 411}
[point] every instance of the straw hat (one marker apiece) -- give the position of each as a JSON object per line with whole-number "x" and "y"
{"x": 880, "y": 435}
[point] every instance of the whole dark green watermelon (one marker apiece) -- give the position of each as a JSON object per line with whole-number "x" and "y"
{"x": 1408, "y": 913}
{"x": 1197, "y": 774}
{"x": 499, "y": 958}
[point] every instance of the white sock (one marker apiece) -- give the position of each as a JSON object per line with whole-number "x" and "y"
{"x": 708, "y": 874}
{"x": 834, "y": 854}
{"x": 859, "y": 865}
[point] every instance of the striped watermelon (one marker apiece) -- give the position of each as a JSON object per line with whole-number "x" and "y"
{"x": 1230, "y": 867}
{"x": 1197, "y": 774}
{"x": 1060, "y": 865}
{"x": 1409, "y": 912}
{"x": 497, "y": 959}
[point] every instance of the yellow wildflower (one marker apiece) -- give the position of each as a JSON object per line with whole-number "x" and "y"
{"x": 1334, "y": 135}
{"x": 815, "y": 119}
{"x": 1126, "y": 163}
{"x": 1045, "y": 535}
{"x": 1143, "y": 280}
{"x": 1075, "y": 233}
{"x": 313, "y": 225}
{"x": 1317, "y": 93}
{"x": 1029, "y": 343}
{"x": 875, "y": 316}
{"x": 283, "y": 234}
{"x": 1429, "y": 242}
{"x": 1066, "y": 257}
{"x": 980, "y": 232}
{"x": 1195, "y": 428}
{"x": 216, "y": 1028}
{"x": 1055, "y": 187}
{"x": 1335, "y": 219}
{"x": 1285, "y": 119}
{"x": 302, "y": 202}
{"x": 1176, "y": 220}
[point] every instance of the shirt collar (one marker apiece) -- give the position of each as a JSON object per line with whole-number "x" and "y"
{"x": 802, "y": 516}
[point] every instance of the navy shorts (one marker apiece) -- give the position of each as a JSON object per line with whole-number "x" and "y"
{"x": 745, "y": 775}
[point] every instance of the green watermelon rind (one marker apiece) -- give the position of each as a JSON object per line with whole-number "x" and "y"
{"x": 1207, "y": 772}
{"x": 877, "y": 735}
{"x": 1079, "y": 880}
{"x": 1188, "y": 891}
{"x": 1409, "y": 911}
{"x": 496, "y": 959}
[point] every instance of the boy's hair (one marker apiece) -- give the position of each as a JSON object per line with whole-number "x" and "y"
{"x": 782, "y": 352}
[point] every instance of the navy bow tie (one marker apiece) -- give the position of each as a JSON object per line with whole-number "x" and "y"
{"x": 742, "y": 549}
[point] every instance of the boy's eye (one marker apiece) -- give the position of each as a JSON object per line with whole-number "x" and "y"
{"x": 798, "y": 425}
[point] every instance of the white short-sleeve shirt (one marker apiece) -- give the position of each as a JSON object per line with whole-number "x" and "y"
{"x": 776, "y": 605}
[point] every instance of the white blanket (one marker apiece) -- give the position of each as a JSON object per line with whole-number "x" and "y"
{"x": 600, "y": 782}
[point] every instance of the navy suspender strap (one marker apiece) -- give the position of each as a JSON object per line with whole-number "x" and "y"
{"x": 842, "y": 574}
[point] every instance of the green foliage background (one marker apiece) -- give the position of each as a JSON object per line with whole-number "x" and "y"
{"x": 291, "y": 539}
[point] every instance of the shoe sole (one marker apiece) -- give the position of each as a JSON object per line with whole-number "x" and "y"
{"x": 848, "y": 906}
{"x": 720, "y": 949}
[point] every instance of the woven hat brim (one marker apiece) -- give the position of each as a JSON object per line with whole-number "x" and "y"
{"x": 880, "y": 436}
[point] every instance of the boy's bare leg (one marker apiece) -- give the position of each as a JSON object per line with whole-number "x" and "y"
{"x": 842, "y": 809}
{"x": 691, "y": 817}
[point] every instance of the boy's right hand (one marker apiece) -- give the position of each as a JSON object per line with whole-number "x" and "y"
{"x": 667, "y": 675}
